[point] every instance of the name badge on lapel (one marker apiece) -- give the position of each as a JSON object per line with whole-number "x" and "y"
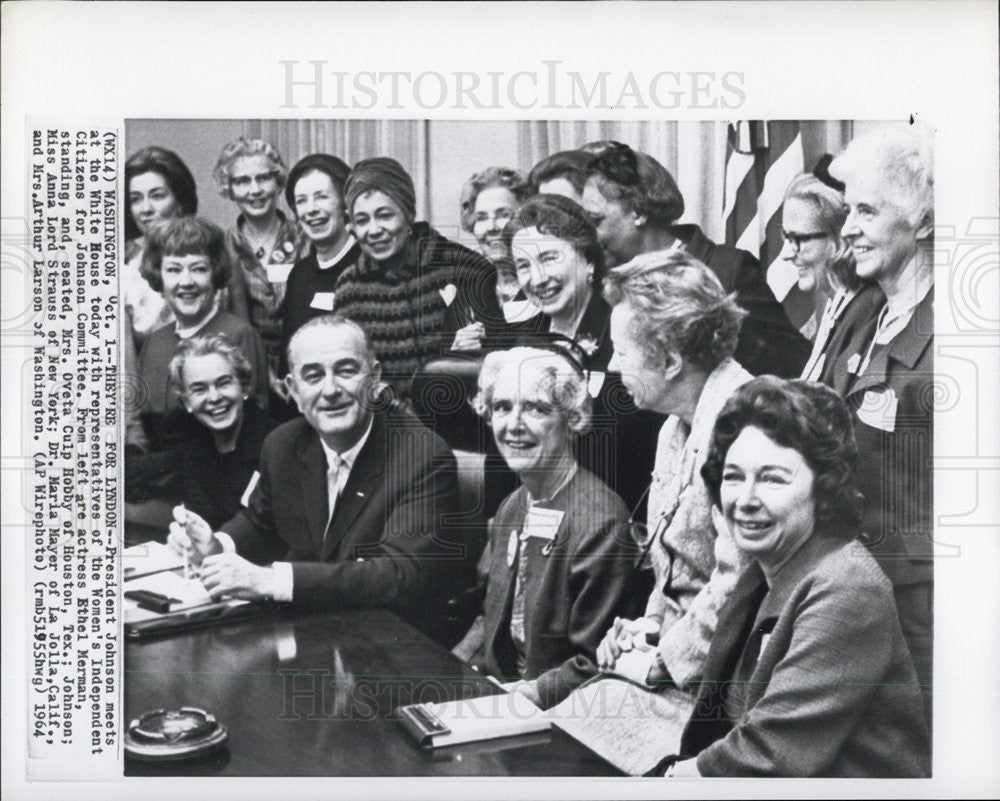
{"x": 278, "y": 273}
{"x": 448, "y": 294}
{"x": 518, "y": 311}
{"x": 542, "y": 523}
{"x": 322, "y": 301}
{"x": 878, "y": 409}
{"x": 854, "y": 363}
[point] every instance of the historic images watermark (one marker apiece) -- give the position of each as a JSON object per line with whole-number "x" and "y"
{"x": 319, "y": 84}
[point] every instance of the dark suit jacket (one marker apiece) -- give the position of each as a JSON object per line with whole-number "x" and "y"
{"x": 572, "y": 594}
{"x": 892, "y": 405}
{"x": 390, "y": 543}
{"x": 769, "y": 343}
{"x": 832, "y": 691}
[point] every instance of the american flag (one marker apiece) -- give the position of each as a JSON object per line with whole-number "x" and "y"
{"x": 762, "y": 158}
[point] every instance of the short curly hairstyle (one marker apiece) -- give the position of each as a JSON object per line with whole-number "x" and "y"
{"x": 810, "y": 418}
{"x": 679, "y": 304}
{"x": 185, "y": 236}
{"x": 562, "y": 382}
{"x": 239, "y": 148}
{"x": 205, "y": 346}
{"x": 506, "y": 177}
{"x": 638, "y": 182}
{"x": 560, "y": 217}
{"x": 172, "y": 169}
{"x": 831, "y": 214}
{"x": 903, "y": 158}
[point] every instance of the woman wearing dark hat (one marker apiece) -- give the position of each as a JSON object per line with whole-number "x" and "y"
{"x": 634, "y": 203}
{"x": 315, "y": 193}
{"x": 414, "y": 292}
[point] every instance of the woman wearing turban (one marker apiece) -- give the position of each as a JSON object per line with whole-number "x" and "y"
{"x": 416, "y": 293}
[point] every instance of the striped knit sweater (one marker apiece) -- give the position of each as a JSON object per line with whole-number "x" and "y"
{"x": 411, "y": 314}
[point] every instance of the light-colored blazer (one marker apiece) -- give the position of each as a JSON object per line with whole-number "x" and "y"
{"x": 693, "y": 585}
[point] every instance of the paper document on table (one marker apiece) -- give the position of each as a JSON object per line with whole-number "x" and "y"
{"x": 189, "y": 594}
{"x": 468, "y": 720}
{"x": 627, "y": 724}
{"x": 149, "y": 557}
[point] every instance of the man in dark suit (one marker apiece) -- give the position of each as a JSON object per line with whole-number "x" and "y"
{"x": 352, "y": 504}
{"x": 881, "y": 360}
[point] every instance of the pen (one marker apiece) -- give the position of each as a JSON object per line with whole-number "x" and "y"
{"x": 187, "y": 550}
{"x": 496, "y": 682}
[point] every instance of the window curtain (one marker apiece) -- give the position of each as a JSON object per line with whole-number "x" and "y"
{"x": 353, "y": 140}
{"x": 693, "y": 152}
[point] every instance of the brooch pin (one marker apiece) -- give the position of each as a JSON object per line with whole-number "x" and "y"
{"x": 587, "y": 344}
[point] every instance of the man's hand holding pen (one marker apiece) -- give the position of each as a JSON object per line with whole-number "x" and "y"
{"x": 222, "y": 574}
{"x": 192, "y": 537}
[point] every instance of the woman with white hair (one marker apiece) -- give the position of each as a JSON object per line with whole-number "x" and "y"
{"x": 881, "y": 361}
{"x": 560, "y": 553}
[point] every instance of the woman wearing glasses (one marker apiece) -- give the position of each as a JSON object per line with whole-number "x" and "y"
{"x": 634, "y": 203}
{"x": 489, "y": 200}
{"x": 674, "y": 331}
{"x": 264, "y": 244}
{"x": 812, "y": 217}
{"x": 560, "y": 553}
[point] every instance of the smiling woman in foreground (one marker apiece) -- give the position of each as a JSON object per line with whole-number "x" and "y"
{"x": 561, "y": 554}
{"x": 808, "y": 673}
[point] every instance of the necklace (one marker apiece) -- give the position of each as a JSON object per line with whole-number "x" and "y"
{"x": 532, "y": 501}
{"x": 262, "y": 245}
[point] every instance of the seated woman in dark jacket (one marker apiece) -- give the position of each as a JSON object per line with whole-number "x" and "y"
{"x": 560, "y": 556}
{"x": 220, "y": 457}
{"x": 808, "y": 673}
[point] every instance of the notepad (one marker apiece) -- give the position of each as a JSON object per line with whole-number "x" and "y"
{"x": 147, "y": 558}
{"x": 435, "y": 725}
{"x": 627, "y": 724}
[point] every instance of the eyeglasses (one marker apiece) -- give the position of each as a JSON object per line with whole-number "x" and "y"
{"x": 797, "y": 240}
{"x": 644, "y": 540}
{"x": 244, "y": 181}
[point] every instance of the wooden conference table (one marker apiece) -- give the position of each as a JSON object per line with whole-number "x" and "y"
{"x": 312, "y": 696}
